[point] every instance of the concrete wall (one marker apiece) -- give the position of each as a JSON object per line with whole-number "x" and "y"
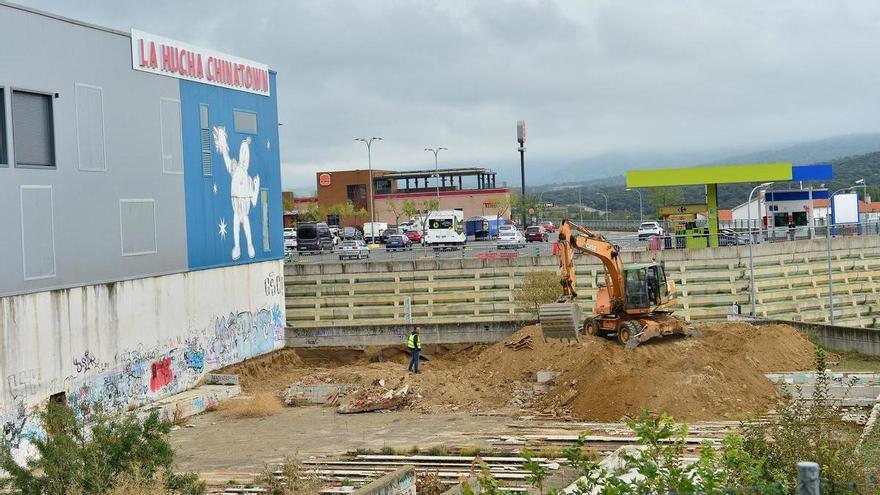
{"x": 399, "y": 482}
{"x": 53, "y": 57}
{"x": 838, "y": 338}
{"x": 363, "y": 336}
{"x": 116, "y": 346}
{"x": 790, "y": 278}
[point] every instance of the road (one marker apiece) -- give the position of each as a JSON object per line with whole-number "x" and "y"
{"x": 473, "y": 249}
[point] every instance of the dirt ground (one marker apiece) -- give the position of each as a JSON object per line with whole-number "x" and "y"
{"x": 718, "y": 376}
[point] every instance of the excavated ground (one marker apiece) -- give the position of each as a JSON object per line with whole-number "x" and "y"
{"x": 718, "y": 376}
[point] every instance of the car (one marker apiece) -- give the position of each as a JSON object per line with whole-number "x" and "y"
{"x": 548, "y": 225}
{"x": 536, "y": 233}
{"x": 356, "y": 249}
{"x": 648, "y": 229}
{"x": 351, "y": 234}
{"x": 414, "y": 235}
{"x": 289, "y": 240}
{"x": 397, "y": 242}
{"x": 730, "y": 237}
{"x": 313, "y": 237}
{"x": 511, "y": 239}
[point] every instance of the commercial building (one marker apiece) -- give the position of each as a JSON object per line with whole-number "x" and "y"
{"x": 141, "y": 210}
{"x": 474, "y": 190}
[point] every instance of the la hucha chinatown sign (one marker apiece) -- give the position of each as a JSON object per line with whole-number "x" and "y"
{"x": 158, "y": 55}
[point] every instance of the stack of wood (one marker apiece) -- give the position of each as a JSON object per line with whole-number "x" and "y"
{"x": 522, "y": 343}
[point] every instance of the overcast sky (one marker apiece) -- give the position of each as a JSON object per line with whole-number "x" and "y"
{"x": 590, "y": 77}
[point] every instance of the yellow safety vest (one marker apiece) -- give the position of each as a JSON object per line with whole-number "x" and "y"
{"x": 411, "y": 343}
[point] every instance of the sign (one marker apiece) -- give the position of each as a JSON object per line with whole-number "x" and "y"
{"x": 407, "y": 310}
{"x": 521, "y": 131}
{"x": 324, "y": 179}
{"x": 683, "y": 210}
{"x": 845, "y": 208}
{"x": 167, "y": 57}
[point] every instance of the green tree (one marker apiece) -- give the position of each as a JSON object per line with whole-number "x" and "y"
{"x": 314, "y": 212}
{"x": 75, "y": 457}
{"x": 409, "y": 208}
{"x": 395, "y": 208}
{"x": 538, "y": 288}
{"x": 431, "y": 204}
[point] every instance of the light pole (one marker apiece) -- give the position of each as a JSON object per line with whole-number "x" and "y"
{"x": 580, "y": 206}
{"x": 606, "y": 204}
{"x": 828, "y": 243}
{"x": 752, "y": 241}
{"x": 436, "y": 152}
{"x": 641, "y": 217}
{"x": 370, "y": 198}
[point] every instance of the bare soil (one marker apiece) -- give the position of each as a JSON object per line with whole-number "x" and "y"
{"x": 718, "y": 376}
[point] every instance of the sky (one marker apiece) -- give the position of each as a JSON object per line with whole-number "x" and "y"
{"x": 589, "y": 77}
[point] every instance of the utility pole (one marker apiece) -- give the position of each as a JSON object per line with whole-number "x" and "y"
{"x": 752, "y": 292}
{"x": 641, "y": 216}
{"x": 370, "y": 195}
{"x": 521, "y": 138}
{"x": 436, "y": 151}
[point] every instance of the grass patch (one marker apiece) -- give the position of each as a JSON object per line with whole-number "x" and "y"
{"x": 438, "y": 450}
{"x": 853, "y": 361}
{"x": 260, "y": 405}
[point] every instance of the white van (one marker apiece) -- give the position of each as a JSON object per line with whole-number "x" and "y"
{"x": 445, "y": 229}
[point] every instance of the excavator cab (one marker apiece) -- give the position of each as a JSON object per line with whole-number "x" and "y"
{"x": 645, "y": 286}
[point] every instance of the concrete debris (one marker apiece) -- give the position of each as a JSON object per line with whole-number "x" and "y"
{"x": 522, "y": 343}
{"x": 299, "y": 395}
{"x": 368, "y": 400}
{"x": 546, "y": 376}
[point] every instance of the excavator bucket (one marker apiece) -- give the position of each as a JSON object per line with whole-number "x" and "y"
{"x": 660, "y": 327}
{"x": 561, "y": 320}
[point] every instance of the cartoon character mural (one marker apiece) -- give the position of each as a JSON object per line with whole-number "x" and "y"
{"x": 244, "y": 190}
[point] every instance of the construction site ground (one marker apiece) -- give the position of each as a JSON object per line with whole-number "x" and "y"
{"x": 486, "y": 396}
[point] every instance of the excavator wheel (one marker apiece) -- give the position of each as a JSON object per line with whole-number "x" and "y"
{"x": 628, "y": 330}
{"x": 591, "y": 327}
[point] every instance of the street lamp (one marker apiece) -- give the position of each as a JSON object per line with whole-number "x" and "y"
{"x": 606, "y": 204}
{"x": 370, "y": 198}
{"x": 752, "y": 295}
{"x": 641, "y": 217}
{"x": 828, "y": 243}
{"x": 436, "y": 151}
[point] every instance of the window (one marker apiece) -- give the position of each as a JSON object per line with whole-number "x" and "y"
{"x": 205, "y": 137}
{"x": 33, "y": 133}
{"x": 4, "y": 160}
{"x": 245, "y": 122}
{"x": 264, "y": 200}
{"x": 172, "y": 142}
{"x": 137, "y": 226}
{"x": 37, "y": 232}
{"x": 357, "y": 194}
{"x": 90, "y": 128}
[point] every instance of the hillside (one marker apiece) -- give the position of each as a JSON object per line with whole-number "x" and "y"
{"x": 846, "y": 171}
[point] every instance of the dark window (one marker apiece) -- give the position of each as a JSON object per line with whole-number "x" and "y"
{"x": 205, "y": 137}
{"x": 383, "y": 186}
{"x": 440, "y": 223}
{"x": 357, "y": 194}
{"x": 33, "y": 133}
{"x": 3, "y": 156}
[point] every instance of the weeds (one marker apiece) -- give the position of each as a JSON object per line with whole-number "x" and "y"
{"x": 260, "y": 405}
{"x": 429, "y": 484}
{"x": 289, "y": 479}
{"x": 438, "y": 450}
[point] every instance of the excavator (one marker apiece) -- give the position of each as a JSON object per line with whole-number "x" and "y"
{"x": 634, "y": 305}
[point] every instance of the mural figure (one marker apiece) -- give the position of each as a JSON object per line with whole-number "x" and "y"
{"x": 244, "y": 189}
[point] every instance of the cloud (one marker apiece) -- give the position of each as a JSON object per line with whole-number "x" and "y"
{"x": 590, "y": 77}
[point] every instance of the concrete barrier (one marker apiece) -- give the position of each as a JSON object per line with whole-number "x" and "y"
{"x": 394, "y": 335}
{"x": 837, "y": 338}
{"x": 399, "y": 482}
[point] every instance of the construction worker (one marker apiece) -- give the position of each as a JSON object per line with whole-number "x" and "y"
{"x": 414, "y": 346}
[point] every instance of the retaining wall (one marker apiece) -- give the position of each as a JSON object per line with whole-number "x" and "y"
{"x": 838, "y": 338}
{"x": 400, "y": 482}
{"x": 791, "y": 282}
{"x": 366, "y": 335}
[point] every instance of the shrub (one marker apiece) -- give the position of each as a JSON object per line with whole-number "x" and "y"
{"x": 95, "y": 458}
{"x": 538, "y": 288}
{"x": 290, "y": 479}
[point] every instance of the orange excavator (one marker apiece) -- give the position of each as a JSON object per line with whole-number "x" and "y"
{"x": 634, "y": 305}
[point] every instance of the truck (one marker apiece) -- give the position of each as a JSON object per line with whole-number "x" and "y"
{"x": 445, "y": 229}
{"x": 374, "y": 231}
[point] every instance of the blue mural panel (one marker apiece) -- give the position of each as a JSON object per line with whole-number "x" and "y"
{"x": 232, "y": 175}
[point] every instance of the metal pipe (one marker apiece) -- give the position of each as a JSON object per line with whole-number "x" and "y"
{"x": 752, "y": 292}
{"x": 370, "y": 196}
{"x": 641, "y": 215}
{"x": 828, "y": 244}
{"x": 436, "y": 151}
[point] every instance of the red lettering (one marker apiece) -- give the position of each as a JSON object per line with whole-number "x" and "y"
{"x": 210, "y": 71}
{"x": 235, "y": 74}
{"x": 200, "y": 73}
{"x": 190, "y": 64}
{"x": 248, "y": 78}
{"x": 182, "y": 62}
{"x": 169, "y": 59}
{"x": 154, "y": 62}
{"x": 142, "y": 62}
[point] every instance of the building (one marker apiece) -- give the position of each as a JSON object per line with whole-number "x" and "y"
{"x": 472, "y": 189}
{"x": 141, "y": 211}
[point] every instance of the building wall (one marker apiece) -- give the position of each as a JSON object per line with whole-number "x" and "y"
{"x": 86, "y": 229}
{"x": 337, "y": 191}
{"x": 127, "y": 343}
{"x": 210, "y": 211}
{"x": 474, "y": 203}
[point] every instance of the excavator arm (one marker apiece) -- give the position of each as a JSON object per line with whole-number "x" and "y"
{"x": 593, "y": 244}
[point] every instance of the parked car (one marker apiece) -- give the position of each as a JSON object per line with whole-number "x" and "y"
{"x": 397, "y": 242}
{"x": 313, "y": 237}
{"x": 648, "y": 229}
{"x": 548, "y": 225}
{"x": 351, "y": 234}
{"x": 289, "y": 240}
{"x": 414, "y": 235}
{"x": 730, "y": 237}
{"x": 511, "y": 239}
{"x": 356, "y": 249}
{"x": 536, "y": 233}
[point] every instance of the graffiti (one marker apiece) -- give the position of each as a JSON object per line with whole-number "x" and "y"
{"x": 85, "y": 363}
{"x": 244, "y": 190}
{"x": 273, "y": 284}
{"x": 195, "y": 360}
{"x": 23, "y": 383}
{"x": 161, "y": 374}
